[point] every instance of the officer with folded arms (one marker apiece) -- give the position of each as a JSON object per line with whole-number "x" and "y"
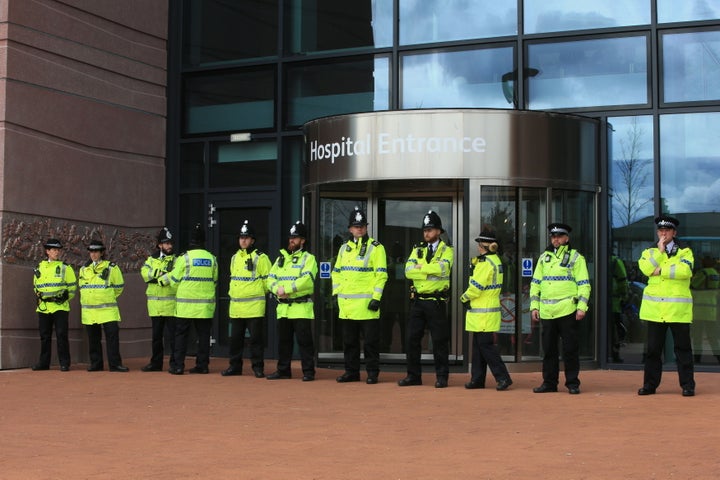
{"x": 428, "y": 266}
{"x": 55, "y": 284}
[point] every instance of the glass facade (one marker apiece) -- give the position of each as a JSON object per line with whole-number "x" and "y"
{"x": 648, "y": 69}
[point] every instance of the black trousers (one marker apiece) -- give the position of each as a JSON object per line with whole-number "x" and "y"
{"x": 112, "y": 342}
{"x": 656, "y": 333}
{"x": 257, "y": 342}
{"x": 203, "y": 327}
{"x": 433, "y": 315}
{"x": 370, "y": 331}
{"x": 299, "y": 328}
{"x": 566, "y": 328}
{"x": 46, "y": 322}
{"x": 484, "y": 354}
{"x": 158, "y": 340}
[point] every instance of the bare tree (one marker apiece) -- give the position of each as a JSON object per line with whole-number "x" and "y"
{"x": 628, "y": 201}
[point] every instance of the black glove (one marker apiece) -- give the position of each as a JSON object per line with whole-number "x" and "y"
{"x": 63, "y": 297}
{"x": 374, "y": 305}
{"x": 466, "y": 305}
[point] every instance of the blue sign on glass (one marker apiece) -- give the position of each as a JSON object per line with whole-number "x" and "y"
{"x": 325, "y": 269}
{"x": 527, "y": 267}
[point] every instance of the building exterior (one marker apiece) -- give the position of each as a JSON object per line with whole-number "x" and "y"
{"x": 251, "y": 84}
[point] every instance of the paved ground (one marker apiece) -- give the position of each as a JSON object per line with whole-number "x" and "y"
{"x": 80, "y": 425}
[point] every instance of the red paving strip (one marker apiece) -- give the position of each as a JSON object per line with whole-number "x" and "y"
{"x": 137, "y": 425}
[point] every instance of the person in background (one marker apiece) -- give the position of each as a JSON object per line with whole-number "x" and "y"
{"x": 194, "y": 278}
{"x": 559, "y": 296}
{"x": 292, "y": 282}
{"x": 483, "y": 317}
{"x": 620, "y": 292}
{"x": 55, "y": 285}
{"x": 428, "y": 267}
{"x": 358, "y": 279}
{"x": 249, "y": 269}
{"x": 101, "y": 283}
{"x": 667, "y": 304}
{"x": 160, "y": 301}
{"x": 705, "y": 287}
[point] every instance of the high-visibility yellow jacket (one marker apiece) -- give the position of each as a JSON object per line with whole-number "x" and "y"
{"x": 194, "y": 278}
{"x": 100, "y": 287}
{"x": 248, "y": 283}
{"x": 358, "y": 277}
{"x": 432, "y": 278}
{"x": 705, "y": 284}
{"x": 296, "y": 273}
{"x": 483, "y": 293}
{"x": 620, "y": 287}
{"x": 560, "y": 283}
{"x": 55, "y": 285}
{"x": 160, "y": 299}
{"x": 667, "y": 297}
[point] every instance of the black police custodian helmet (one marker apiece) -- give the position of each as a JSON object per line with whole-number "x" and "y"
{"x": 96, "y": 246}
{"x": 198, "y": 235}
{"x": 164, "y": 235}
{"x": 53, "y": 243}
{"x": 246, "y": 230}
{"x": 666, "y": 221}
{"x": 298, "y": 230}
{"x": 357, "y": 218}
{"x": 559, "y": 229}
{"x": 432, "y": 220}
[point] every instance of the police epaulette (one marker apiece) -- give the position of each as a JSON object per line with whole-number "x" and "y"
{"x": 88, "y": 263}
{"x": 112, "y": 264}
{"x": 375, "y": 243}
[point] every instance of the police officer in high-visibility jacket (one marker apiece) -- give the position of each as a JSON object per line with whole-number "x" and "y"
{"x": 358, "y": 280}
{"x": 428, "y": 266}
{"x": 101, "y": 283}
{"x": 667, "y": 303}
{"x": 705, "y": 287}
{"x": 249, "y": 270}
{"x": 483, "y": 317}
{"x": 292, "y": 282}
{"x": 55, "y": 284}
{"x": 194, "y": 277}
{"x": 160, "y": 300}
{"x": 559, "y": 296}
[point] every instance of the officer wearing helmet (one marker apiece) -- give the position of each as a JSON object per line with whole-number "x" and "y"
{"x": 54, "y": 283}
{"x": 358, "y": 280}
{"x": 160, "y": 300}
{"x": 428, "y": 266}
{"x": 249, "y": 270}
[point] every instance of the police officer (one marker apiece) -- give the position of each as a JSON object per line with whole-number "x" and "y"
{"x": 705, "y": 285}
{"x": 101, "y": 283}
{"x": 194, "y": 277}
{"x": 292, "y": 282}
{"x": 358, "y": 279}
{"x": 428, "y": 266}
{"x": 619, "y": 294}
{"x": 559, "y": 296}
{"x": 160, "y": 300}
{"x": 667, "y": 303}
{"x": 249, "y": 270}
{"x": 55, "y": 284}
{"x": 483, "y": 317}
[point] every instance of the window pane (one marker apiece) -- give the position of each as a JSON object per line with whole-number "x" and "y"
{"x": 229, "y": 102}
{"x": 691, "y": 66}
{"x": 608, "y": 71}
{"x": 560, "y": 15}
{"x": 219, "y": 31}
{"x": 243, "y": 164}
{"x": 631, "y": 169}
{"x": 687, "y": 10}
{"x": 471, "y": 78}
{"x": 690, "y": 162}
{"x": 336, "y": 25}
{"x": 426, "y": 21}
{"x": 348, "y": 87}
{"x": 192, "y": 171}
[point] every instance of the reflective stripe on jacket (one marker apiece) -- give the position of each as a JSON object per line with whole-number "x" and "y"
{"x": 100, "y": 287}
{"x": 483, "y": 293}
{"x": 358, "y": 277}
{"x": 667, "y": 297}
{"x": 248, "y": 284}
{"x": 51, "y": 280}
{"x": 560, "y": 284}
